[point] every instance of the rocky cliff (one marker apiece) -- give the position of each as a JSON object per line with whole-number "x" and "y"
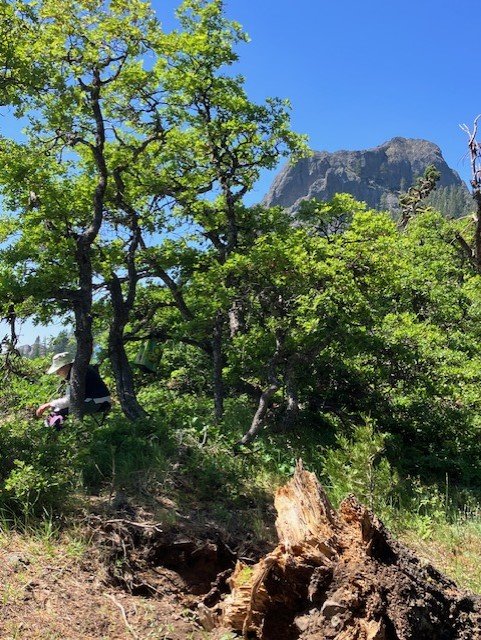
{"x": 375, "y": 176}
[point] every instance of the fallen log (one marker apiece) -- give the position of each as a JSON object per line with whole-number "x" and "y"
{"x": 340, "y": 576}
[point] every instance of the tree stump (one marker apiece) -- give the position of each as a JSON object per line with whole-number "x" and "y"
{"x": 341, "y": 576}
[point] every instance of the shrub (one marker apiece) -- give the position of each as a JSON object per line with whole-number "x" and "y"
{"x": 357, "y": 466}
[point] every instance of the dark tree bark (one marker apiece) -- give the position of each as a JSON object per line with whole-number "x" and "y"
{"x": 124, "y": 379}
{"x": 83, "y": 256}
{"x": 11, "y": 361}
{"x": 292, "y": 408}
{"x": 121, "y": 309}
{"x": 217, "y": 360}
{"x": 265, "y": 399}
{"x": 83, "y": 328}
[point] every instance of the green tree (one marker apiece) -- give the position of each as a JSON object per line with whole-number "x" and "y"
{"x": 412, "y": 201}
{"x": 211, "y": 160}
{"x": 57, "y": 182}
{"x": 111, "y": 142}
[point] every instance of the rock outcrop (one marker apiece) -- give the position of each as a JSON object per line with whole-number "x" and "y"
{"x": 375, "y": 176}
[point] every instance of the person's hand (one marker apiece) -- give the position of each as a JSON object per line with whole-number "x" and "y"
{"x": 41, "y": 410}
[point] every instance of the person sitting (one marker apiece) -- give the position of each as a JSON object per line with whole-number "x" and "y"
{"x": 97, "y": 395}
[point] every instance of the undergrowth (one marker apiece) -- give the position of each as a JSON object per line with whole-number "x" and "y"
{"x": 181, "y": 454}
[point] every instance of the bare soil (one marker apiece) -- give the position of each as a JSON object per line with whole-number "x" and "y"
{"x": 124, "y": 575}
{"x": 48, "y": 593}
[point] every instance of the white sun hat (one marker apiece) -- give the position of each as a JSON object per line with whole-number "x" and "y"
{"x": 60, "y": 360}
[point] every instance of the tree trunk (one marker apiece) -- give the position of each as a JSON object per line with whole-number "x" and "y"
{"x": 340, "y": 576}
{"x": 83, "y": 256}
{"x": 236, "y": 316}
{"x": 124, "y": 379}
{"x": 473, "y": 250}
{"x": 259, "y": 415}
{"x": 265, "y": 399}
{"x": 83, "y": 329}
{"x": 217, "y": 361}
{"x": 292, "y": 408}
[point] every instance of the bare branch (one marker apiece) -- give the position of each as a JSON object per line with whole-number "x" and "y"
{"x": 475, "y": 155}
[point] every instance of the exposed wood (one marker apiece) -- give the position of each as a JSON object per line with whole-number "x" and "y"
{"x": 473, "y": 251}
{"x": 341, "y": 576}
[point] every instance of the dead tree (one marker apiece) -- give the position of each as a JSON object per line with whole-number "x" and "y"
{"x": 412, "y": 202}
{"x": 472, "y": 248}
{"x": 339, "y": 576}
{"x": 10, "y": 358}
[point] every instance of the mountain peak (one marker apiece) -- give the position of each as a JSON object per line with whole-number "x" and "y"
{"x": 375, "y": 176}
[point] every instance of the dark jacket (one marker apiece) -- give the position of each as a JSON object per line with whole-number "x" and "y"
{"x": 95, "y": 387}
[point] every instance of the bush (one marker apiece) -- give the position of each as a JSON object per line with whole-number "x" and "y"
{"x": 357, "y": 466}
{"x": 126, "y": 455}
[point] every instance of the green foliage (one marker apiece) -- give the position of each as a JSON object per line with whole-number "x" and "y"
{"x": 370, "y": 321}
{"x": 129, "y": 182}
{"x": 40, "y": 470}
{"x": 359, "y": 466}
{"x": 424, "y": 508}
{"x": 122, "y": 455}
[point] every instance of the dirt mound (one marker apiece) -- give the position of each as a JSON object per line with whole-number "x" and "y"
{"x": 144, "y": 559}
{"x": 340, "y": 576}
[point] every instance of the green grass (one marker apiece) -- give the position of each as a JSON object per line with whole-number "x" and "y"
{"x": 454, "y": 549}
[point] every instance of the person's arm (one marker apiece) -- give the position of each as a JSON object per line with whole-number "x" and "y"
{"x": 59, "y": 403}
{"x": 42, "y": 408}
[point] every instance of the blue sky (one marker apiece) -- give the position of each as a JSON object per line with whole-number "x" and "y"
{"x": 359, "y": 73}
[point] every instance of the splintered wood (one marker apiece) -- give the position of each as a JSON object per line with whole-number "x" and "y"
{"x": 340, "y": 576}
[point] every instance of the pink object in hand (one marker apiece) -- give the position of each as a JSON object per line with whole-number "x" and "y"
{"x": 55, "y": 421}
